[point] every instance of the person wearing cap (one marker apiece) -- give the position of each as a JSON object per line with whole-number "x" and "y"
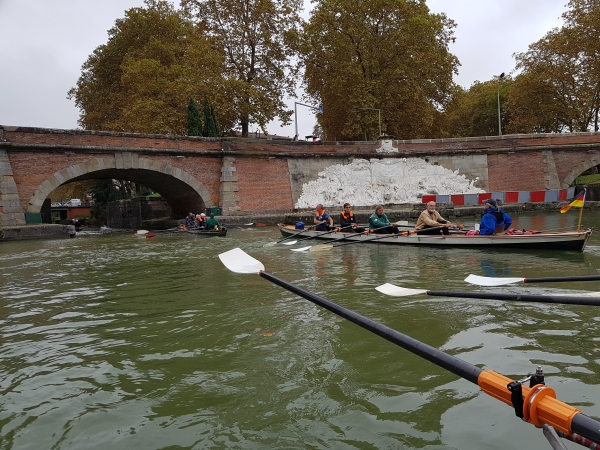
{"x": 201, "y": 221}
{"x": 212, "y": 223}
{"x": 430, "y": 218}
{"x": 494, "y": 220}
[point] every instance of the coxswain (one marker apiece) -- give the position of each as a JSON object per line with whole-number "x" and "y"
{"x": 494, "y": 220}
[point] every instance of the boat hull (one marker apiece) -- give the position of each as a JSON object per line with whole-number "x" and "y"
{"x": 571, "y": 241}
{"x": 222, "y": 232}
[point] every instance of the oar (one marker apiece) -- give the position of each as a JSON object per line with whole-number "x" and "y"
{"x": 325, "y": 247}
{"x": 335, "y": 230}
{"x": 271, "y": 244}
{"x": 328, "y": 246}
{"x": 397, "y": 291}
{"x": 490, "y": 281}
{"x": 539, "y": 408}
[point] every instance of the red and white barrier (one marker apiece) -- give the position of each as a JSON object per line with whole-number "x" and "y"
{"x": 548, "y": 196}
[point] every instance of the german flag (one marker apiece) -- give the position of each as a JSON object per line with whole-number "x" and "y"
{"x": 578, "y": 202}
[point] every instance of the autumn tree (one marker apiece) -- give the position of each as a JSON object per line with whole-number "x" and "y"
{"x": 141, "y": 79}
{"x": 559, "y": 87}
{"x": 474, "y": 112}
{"x": 256, "y": 37}
{"x": 390, "y": 55}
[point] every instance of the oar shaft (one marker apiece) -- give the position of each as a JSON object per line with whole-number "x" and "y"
{"x": 549, "y": 410}
{"x": 323, "y": 234}
{"x": 457, "y": 366}
{"x": 559, "y": 299}
{"x": 560, "y": 279}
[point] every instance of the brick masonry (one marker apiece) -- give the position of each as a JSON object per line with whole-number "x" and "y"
{"x": 248, "y": 175}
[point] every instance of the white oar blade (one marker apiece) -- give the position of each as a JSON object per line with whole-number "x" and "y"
{"x": 289, "y": 243}
{"x": 490, "y": 281}
{"x": 397, "y": 291}
{"x": 141, "y": 232}
{"x": 249, "y": 224}
{"x": 301, "y": 249}
{"x": 239, "y": 261}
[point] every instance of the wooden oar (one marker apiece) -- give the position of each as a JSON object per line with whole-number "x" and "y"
{"x": 328, "y": 246}
{"x": 584, "y": 299}
{"x": 490, "y": 281}
{"x": 271, "y": 244}
{"x": 540, "y": 407}
{"x": 325, "y": 247}
{"x": 335, "y": 230}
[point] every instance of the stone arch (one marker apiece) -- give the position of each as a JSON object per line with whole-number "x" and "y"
{"x": 578, "y": 170}
{"x": 184, "y": 192}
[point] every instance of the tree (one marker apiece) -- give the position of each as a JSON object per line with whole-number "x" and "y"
{"x": 211, "y": 126}
{"x": 256, "y": 37}
{"x": 475, "y": 112}
{"x": 141, "y": 79}
{"x": 194, "y": 122}
{"x": 559, "y": 87}
{"x": 391, "y": 55}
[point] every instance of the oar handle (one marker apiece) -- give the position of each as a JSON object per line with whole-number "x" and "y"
{"x": 559, "y": 279}
{"x": 558, "y": 299}
{"x": 457, "y": 366}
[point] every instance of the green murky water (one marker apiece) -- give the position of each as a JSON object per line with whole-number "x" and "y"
{"x": 117, "y": 342}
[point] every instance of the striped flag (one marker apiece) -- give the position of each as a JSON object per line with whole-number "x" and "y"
{"x": 578, "y": 202}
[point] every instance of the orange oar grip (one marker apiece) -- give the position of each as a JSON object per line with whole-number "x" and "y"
{"x": 540, "y": 405}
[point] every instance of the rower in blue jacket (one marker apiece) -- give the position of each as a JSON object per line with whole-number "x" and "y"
{"x": 494, "y": 220}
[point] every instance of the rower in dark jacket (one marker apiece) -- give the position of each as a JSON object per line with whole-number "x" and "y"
{"x": 348, "y": 221}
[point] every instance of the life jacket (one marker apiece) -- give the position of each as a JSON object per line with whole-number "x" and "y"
{"x": 350, "y": 216}
{"x": 321, "y": 216}
{"x": 181, "y": 226}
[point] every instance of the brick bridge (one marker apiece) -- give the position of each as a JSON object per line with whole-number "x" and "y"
{"x": 245, "y": 176}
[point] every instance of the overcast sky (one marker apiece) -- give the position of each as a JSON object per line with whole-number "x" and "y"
{"x": 43, "y": 44}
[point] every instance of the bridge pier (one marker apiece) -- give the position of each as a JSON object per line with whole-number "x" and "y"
{"x": 11, "y": 213}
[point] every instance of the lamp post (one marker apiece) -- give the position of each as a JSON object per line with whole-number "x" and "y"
{"x": 374, "y": 109}
{"x": 499, "y": 119}
{"x": 319, "y": 110}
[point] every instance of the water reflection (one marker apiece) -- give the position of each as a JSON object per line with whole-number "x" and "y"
{"x": 114, "y": 341}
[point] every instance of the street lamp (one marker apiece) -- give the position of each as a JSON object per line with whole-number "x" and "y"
{"x": 319, "y": 110}
{"x": 499, "y": 119}
{"x": 379, "y": 111}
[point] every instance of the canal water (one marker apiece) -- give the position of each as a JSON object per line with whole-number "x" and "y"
{"x": 118, "y": 342}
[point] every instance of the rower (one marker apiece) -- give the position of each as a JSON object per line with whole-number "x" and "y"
{"x": 494, "y": 220}
{"x": 380, "y": 224}
{"x": 348, "y": 220}
{"x": 322, "y": 219}
{"x": 430, "y": 218}
{"x": 212, "y": 223}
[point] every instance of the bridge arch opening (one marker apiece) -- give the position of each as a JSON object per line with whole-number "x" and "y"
{"x": 590, "y": 166}
{"x": 179, "y": 189}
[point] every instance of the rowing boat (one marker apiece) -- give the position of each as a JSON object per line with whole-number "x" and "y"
{"x": 221, "y": 232}
{"x": 568, "y": 240}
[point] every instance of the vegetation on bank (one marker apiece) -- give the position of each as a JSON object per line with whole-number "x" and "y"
{"x": 360, "y": 61}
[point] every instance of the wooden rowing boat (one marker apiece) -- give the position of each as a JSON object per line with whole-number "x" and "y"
{"x": 568, "y": 240}
{"x": 221, "y": 232}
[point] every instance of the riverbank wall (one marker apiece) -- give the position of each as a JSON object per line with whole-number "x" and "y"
{"x": 36, "y": 231}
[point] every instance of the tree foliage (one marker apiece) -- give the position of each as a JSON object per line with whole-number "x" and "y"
{"x": 474, "y": 112}
{"x": 391, "y": 55}
{"x": 194, "y": 122}
{"x": 142, "y": 78}
{"x": 559, "y": 87}
{"x": 211, "y": 126}
{"x": 256, "y": 37}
